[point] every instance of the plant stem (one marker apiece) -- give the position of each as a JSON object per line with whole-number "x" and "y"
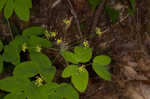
{"x": 9, "y": 26}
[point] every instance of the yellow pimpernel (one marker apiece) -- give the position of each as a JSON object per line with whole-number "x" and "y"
{"x": 39, "y": 81}
{"x": 24, "y": 47}
{"x": 67, "y": 21}
{"x": 86, "y": 44}
{"x": 98, "y": 31}
{"x": 38, "y": 48}
{"x": 82, "y": 68}
{"x": 47, "y": 35}
{"x": 59, "y": 41}
{"x": 53, "y": 34}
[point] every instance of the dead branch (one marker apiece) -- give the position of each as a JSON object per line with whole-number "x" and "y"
{"x": 96, "y": 18}
{"x": 75, "y": 17}
{"x": 120, "y": 21}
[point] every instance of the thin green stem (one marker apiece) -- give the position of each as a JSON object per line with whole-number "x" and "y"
{"x": 9, "y": 26}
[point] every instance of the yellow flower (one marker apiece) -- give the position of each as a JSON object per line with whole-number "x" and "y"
{"x": 53, "y": 34}
{"x": 24, "y": 47}
{"x": 47, "y": 35}
{"x": 86, "y": 43}
{"x": 67, "y": 21}
{"x": 98, "y": 31}
{"x": 38, "y": 48}
{"x": 59, "y": 41}
{"x": 82, "y": 68}
{"x": 39, "y": 81}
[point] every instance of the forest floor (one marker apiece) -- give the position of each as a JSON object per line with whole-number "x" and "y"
{"x": 127, "y": 42}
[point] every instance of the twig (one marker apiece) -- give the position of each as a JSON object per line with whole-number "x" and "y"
{"x": 76, "y": 18}
{"x": 55, "y": 3}
{"x": 124, "y": 18}
{"x": 96, "y": 18}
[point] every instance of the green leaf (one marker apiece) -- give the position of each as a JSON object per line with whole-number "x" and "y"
{"x": 12, "y": 51}
{"x": 29, "y": 3}
{"x": 34, "y": 30}
{"x": 48, "y": 73}
{"x": 24, "y": 14}
{"x": 51, "y": 87}
{"x": 112, "y": 13}
{"x": 18, "y": 42}
{"x": 8, "y": 11}
{"x": 1, "y": 64}
{"x": 67, "y": 91}
{"x": 102, "y": 60}
{"x": 54, "y": 96}
{"x": 132, "y": 2}
{"x": 11, "y": 54}
{"x": 13, "y": 84}
{"x": 70, "y": 57}
{"x": 41, "y": 59}
{"x": 45, "y": 65}
{"x": 94, "y": 3}
{"x": 102, "y": 71}
{"x": 38, "y": 41}
{"x": 83, "y": 54}
{"x": 2, "y": 3}
{"x": 26, "y": 69}
{"x": 132, "y": 10}
{"x": 1, "y": 46}
{"x": 80, "y": 80}
{"x": 22, "y": 9}
{"x": 33, "y": 92}
{"x": 17, "y": 95}
{"x": 69, "y": 71}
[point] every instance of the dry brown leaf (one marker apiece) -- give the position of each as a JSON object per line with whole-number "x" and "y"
{"x": 118, "y": 6}
{"x": 131, "y": 74}
{"x": 138, "y": 91}
{"x": 144, "y": 65}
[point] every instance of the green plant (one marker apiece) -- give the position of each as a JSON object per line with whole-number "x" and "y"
{"x": 132, "y": 10}
{"x": 112, "y": 13}
{"x": 79, "y": 74}
{"x": 21, "y": 86}
{"x": 32, "y": 78}
{"x": 20, "y": 7}
{"x": 28, "y": 40}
